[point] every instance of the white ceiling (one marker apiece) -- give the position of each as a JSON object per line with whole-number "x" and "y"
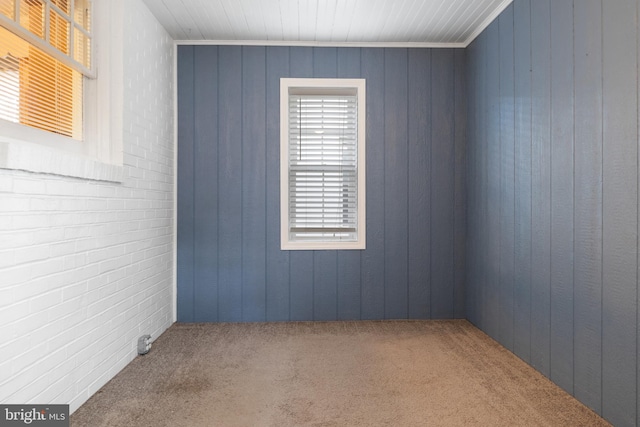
{"x": 328, "y": 22}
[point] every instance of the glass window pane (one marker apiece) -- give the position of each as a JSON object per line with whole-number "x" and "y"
{"x": 7, "y": 8}
{"x": 82, "y": 13}
{"x": 37, "y": 90}
{"x": 82, "y": 49}
{"x": 62, "y": 4}
{"x": 59, "y": 32}
{"x": 9, "y": 88}
{"x": 32, "y": 16}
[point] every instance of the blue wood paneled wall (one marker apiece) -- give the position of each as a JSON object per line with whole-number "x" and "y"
{"x": 230, "y": 266}
{"x": 553, "y": 194}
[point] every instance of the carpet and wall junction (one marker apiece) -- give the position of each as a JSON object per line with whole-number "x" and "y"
{"x": 365, "y": 373}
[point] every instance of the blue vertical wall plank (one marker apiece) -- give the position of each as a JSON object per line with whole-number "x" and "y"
{"x": 561, "y": 346}
{"x": 395, "y": 183}
{"x": 185, "y": 210}
{"x": 493, "y": 165}
{"x": 349, "y": 262}
{"x": 442, "y": 183}
{"x": 325, "y": 263}
{"x": 349, "y": 285}
{"x": 277, "y": 299}
{"x": 523, "y": 174}
{"x": 507, "y": 181}
{"x": 205, "y": 159}
{"x": 630, "y": 307}
{"x": 419, "y": 189}
{"x": 476, "y": 137}
{"x": 230, "y": 184}
{"x": 488, "y": 295}
{"x": 637, "y": 305}
{"x": 301, "y": 65}
{"x": 300, "y": 62}
{"x": 373, "y": 259}
{"x": 487, "y": 288}
{"x": 588, "y": 204}
{"x": 471, "y": 79}
{"x": 325, "y": 285}
{"x": 460, "y": 190}
{"x": 301, "y": 275}
{"x": 325, "y": 62}
{"x": 253, "y": 183}
{"x": 349, "y": 63}
{"x": 474, "y": 273}
{"x": 541, "y": 184}
{"x": 483, "y": 105}
{"x": 483, "y": 288}
{"x": 620, "y": 207}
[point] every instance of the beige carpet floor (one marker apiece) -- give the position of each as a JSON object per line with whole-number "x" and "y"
{"x": 391, "y": 373}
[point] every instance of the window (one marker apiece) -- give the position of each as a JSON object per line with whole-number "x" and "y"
{"x": 68, "y": 120}
{"x": 45, "y": 50}
{"x": 322, "y": 163}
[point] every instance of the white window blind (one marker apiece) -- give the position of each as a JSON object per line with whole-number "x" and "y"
{"x": 45, "y": 49}
{"x": 324, "y": 204}
{"x": 323, "y": 178}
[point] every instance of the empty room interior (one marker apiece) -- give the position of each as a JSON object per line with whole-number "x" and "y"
{"x": 310, "y": 212}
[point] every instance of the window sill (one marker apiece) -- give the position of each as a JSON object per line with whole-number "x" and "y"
{"x": 287, "y": 245}
{"x": 31, "y": 157}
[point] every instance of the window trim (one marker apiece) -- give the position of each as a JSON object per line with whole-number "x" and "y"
{"x": 321, "y": 85}
{"x": 100, "y": 155}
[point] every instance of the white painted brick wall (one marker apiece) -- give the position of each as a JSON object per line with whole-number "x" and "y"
{"x": 86, "y": 267}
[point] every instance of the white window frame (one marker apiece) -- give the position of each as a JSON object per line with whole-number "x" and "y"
{"x": 322, "y": 86}
{"x": 99, "y": 156}
{"x": 44, "y": 44}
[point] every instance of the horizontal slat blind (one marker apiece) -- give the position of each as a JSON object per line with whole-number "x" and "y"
{"x": 44, "y": 49}
{"x": 323, "y": 187}
{"x": 38, "y": 91}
